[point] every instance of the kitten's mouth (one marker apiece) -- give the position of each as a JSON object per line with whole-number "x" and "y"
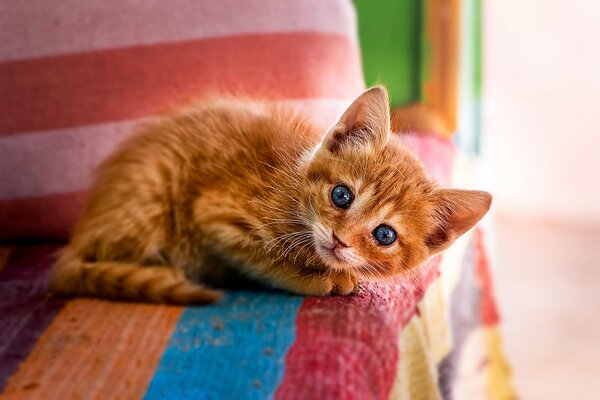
{"x": 333, "y": 256}
{"x": 333, "y": 253}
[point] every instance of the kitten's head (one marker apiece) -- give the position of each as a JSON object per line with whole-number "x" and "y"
{"x": 374, "y": 210}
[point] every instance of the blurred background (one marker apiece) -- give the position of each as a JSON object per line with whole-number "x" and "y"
{"x": 526, "y": 96}
{"x": 541, "y": 91}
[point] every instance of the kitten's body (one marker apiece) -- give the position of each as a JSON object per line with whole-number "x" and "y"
{"x": 231, "y": 186}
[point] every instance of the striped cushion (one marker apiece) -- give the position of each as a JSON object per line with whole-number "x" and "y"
{"x": 75, "y": 76}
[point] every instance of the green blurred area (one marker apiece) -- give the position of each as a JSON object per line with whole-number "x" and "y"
{"x": 395, "y": 52}
{"x": 390, "y": 36}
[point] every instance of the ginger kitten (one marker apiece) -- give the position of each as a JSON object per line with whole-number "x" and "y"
{"x": 230, "y": 187}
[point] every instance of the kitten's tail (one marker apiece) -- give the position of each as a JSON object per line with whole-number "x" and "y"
{"x": 122, "y": 281}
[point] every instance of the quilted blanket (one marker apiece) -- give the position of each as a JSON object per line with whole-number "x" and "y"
{"x": 432, "y": 337}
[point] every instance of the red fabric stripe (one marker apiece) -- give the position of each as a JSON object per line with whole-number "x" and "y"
{"x": 130, "y": 83}
{"x": 345, "y": 347}
{"x": 489, "y": 311}
{"x": 49, "y": 217}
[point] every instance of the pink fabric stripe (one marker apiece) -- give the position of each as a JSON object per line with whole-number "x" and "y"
{"x": 45, "y": 163}
{"x": 435, "y": 152}
{"x": 34, "y": 28}
{"x": 62, "y": 160}
{"x": 347, "y": 349}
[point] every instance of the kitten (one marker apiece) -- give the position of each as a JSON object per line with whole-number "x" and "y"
{"x": 242, "y": 187}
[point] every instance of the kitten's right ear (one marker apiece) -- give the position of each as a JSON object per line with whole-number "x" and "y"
{"x": 457, "y": 212}
{"x": 365, "y": 122}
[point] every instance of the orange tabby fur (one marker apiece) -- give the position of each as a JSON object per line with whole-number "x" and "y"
{"x": 232, "y": 186}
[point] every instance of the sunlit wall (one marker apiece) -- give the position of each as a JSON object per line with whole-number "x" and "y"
{"x": 541, "y": 112}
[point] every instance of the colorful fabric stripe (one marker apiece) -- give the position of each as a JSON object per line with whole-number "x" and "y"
{"x": 232, "y": 350}
{"x": 436, "y": 153}
{"x": 130, "y": 83}
{"x": 115, "y": 346}
{"x": 500, "y": 374}
{"x": 27, "y": 31}
{"x": 51, "y": 217}
{"x": 347, "y": 345}
{"x": 56, "y": 151}
{"x": 25, "y": 310}
{"x": 489, "y": 311}
{"x": 416, "y": 374}
{"x": 476, "y": 366}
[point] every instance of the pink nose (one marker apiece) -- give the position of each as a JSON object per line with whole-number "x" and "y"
{"x": 337, "y": 242}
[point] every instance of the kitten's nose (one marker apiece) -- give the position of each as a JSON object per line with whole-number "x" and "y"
{"x": 337, "y": 242}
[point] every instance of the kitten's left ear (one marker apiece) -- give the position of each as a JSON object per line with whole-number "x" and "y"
{"x": 457, "y": 212}
{"x": 366, "y": 121}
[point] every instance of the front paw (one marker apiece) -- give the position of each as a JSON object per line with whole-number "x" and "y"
{"x": 335, "y": 283}
{"x": 344, "y": 284}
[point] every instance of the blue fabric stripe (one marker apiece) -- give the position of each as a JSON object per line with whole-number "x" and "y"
{"x": 231, "y": 350}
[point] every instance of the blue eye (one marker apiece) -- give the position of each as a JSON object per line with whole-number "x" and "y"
{"x": 384, "y": 235}
{"x": 342, "y": 196}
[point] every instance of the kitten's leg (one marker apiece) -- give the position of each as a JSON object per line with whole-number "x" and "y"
{"x": 126, "y": 281}
{"x": 344, "y": 283}
{"x": 319, "y": 284}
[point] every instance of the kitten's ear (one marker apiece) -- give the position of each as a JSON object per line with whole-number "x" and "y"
{"x": 457, "y": 212}
{"x": 366, "y": 121}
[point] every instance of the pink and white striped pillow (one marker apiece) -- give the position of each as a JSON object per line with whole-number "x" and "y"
{"x": 76, "y": 75}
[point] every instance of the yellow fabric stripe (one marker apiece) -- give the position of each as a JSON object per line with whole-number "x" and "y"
{"x": 500, "y": 382}
{"x": 435, "y": 320}
{"x": 416, "y": 376}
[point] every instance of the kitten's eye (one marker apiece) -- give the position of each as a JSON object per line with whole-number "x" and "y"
{"x": 384, "y": 235}
{"x": 342, "y": 196}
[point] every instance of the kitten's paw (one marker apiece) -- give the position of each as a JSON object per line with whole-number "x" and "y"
{"x": 344, "y": 284}
{"x": 318, "y": 286}
{"x": 336, "y": 283}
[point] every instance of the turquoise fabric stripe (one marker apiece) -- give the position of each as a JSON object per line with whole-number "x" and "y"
{"x": 231, "y": 350}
